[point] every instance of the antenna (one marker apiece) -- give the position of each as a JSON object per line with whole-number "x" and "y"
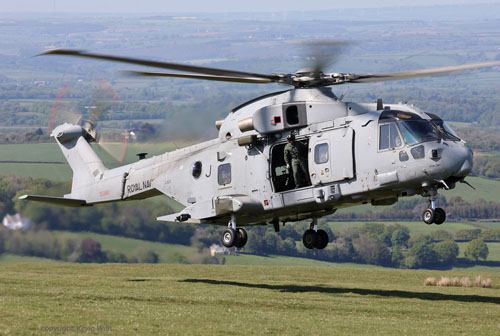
{"x": 343, "y": 94}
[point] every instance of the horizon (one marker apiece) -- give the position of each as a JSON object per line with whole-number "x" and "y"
{"x": 217, "y": 6}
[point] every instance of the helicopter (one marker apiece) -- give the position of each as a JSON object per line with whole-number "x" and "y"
{"x": 356, "y": 153}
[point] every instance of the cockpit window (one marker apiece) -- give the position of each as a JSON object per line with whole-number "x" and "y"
{"x": 413, "y": 128}
{"x": 443, "y": 128}
{"x": 389, "y": 137}
{"x": 415, "y": 131}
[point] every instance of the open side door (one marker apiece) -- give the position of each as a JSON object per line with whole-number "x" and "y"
{"x": 331, "y": 156}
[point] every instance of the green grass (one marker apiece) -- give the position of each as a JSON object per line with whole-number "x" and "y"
{"x": 248, "y": 300}
{"x": 493, "y": 225}
{"x": 274, "y": 260}
{"x": 486, "y": 189}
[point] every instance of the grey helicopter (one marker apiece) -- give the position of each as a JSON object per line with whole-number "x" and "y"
{"x": 355, "y": 153}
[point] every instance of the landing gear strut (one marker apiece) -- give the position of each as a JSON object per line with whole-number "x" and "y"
{"x": 234, "y": 236}
{"x": 314, "y": 238}
{"x": 432, "y": 214}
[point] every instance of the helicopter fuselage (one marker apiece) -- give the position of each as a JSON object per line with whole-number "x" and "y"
{"x": 357, "y": 154}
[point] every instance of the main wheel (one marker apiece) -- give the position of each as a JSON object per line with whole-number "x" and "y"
{"x": 439, "y": 216}
{"x": 322, "y": 239}
{"x": 242, "y": 238}
{"x": 228, "y": 237}
{"x": 428, "y": 216}
{"x": 309, "y": 239}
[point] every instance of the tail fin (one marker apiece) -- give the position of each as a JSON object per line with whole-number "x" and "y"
{"x": 86, "y": 165}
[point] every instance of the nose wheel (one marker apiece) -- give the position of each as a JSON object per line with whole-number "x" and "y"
{"x": 433, "y": 215}
{"x": 234, "y": 236}
{"x": 314, "y": 238}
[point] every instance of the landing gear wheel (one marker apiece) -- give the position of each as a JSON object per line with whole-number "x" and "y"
{"x": 439, "y": 216}
{"x": 228, "y": 237}
{"x": 428, "y": 216}
{"x": 242, "y": 238}
{"x": 309, "y": 239}
{"x": 322, "y": 239}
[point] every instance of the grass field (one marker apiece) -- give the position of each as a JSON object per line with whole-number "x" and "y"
{"x": 249, "y": 300}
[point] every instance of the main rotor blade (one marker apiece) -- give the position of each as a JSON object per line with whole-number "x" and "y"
{"x": 368, "y": 78}
{"x": 163, "y": 65}
{"x": 203, "y": 77}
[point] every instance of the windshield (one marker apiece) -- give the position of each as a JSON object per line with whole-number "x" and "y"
{"x": 446, "y": 131}
{"x": 416, "y": 131}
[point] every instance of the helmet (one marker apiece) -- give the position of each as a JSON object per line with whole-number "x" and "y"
{"x": 291, "y": 137}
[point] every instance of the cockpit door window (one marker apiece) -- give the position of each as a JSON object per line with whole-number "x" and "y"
{"x": 389, "y": 137}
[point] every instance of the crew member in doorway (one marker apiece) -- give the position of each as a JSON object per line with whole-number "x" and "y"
{"x": 296, "y": 158}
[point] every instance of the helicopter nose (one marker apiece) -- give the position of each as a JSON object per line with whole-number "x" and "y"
{"x": 466, "y": 166}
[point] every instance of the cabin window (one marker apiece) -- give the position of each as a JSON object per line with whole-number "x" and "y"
{"x": 321, "y": 153}
{"x": 224, "y": 174}
{"x": 389, "y": 137}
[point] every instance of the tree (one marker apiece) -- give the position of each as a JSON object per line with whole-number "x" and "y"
{"x": 2, "y": 240}
{"x": 373, "y": 230}
{"x": 476, "y": 249}
{"x": 441, "y": 235}
{"x": 91, "y": 251}
{"x": 372, "y": 251}
{"x": 467, "y": 234}
{"x": 144, "y": 255}
{"x": 446, "y": 252}
{"x": 422, "y": 255}
{"x": 400, "y": 237}
{"x": 270, "y": 241}
{"x": 287, "y": 246}
{"x": 397, "y": 257}
{"x": 493, "y": 235}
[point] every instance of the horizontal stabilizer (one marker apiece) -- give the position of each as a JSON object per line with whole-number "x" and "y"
{"x": 69, "y": 202}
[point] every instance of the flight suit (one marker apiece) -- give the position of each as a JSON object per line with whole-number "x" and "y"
{"x": 296, "y": 157}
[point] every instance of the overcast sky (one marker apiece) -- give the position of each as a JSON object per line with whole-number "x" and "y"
{"x": 166, "y": 6}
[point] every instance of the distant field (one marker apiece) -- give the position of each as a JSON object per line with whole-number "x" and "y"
{"x": 249, "y": 300}
{"x": 415, "y": 227}
{"x": 21, "y": 159}
{"x": 487, "y": 189}
{"x": 127, "y": 245}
